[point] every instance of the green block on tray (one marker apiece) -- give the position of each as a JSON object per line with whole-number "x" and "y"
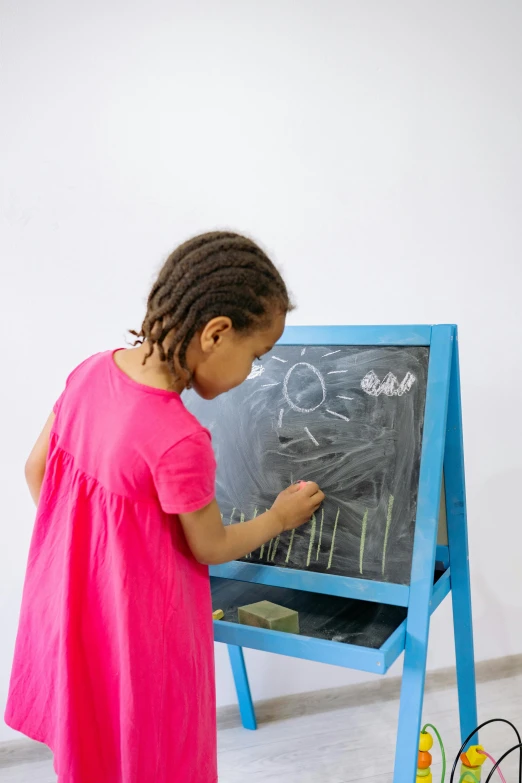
{"x": 265, "y": 614}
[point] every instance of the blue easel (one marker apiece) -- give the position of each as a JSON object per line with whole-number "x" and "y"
{"x": 442, "y": 463}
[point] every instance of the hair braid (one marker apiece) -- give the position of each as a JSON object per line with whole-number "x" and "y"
{"x": 219, "y": 273}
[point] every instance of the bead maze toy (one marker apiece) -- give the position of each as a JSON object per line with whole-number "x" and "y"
{"x": 471, "y": 758}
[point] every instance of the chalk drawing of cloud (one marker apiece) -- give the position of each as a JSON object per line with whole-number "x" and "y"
{"x": 389, "y": 386}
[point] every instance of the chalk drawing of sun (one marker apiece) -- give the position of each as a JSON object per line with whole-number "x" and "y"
{"x": 290, "y": 401}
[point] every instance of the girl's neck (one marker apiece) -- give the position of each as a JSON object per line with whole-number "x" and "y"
{"x": 153, "y": 373}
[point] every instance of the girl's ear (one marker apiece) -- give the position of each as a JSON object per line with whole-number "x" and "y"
{"x": 213, "y": 332}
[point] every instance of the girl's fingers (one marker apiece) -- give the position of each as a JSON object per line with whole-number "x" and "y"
{"x": 311, "y": 488}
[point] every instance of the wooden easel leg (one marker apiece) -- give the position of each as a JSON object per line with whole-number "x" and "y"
{"x": 244, "y": 697}
{"x": 464, "y": 652}
{"x": 423, "y": 562}
{"x": 459, "y": 558}
{"x": 410, "y": 712}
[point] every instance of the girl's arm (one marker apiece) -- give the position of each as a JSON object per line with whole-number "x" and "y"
{"x": 213, "y": 543}
{"x": 35, "y": 465}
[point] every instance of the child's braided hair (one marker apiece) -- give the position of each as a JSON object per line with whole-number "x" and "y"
{"x": 219, "y": 273}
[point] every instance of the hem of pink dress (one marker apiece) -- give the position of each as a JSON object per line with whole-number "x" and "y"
{"x": 33, "y": 735}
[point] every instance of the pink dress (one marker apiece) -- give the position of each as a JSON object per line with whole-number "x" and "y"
{"x": 114, "y": 664}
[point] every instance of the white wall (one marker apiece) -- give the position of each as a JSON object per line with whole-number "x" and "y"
{"x": 373, "y": 147}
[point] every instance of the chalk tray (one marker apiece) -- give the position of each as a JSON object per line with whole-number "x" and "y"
{"x": 341, "y": 631}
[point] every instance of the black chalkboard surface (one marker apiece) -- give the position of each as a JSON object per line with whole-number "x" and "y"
{"x": 350, "y": 418}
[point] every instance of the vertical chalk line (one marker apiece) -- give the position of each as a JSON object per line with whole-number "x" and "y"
{"x": 274, "y": 550}
{"x": 241, "y": 520}
{"x": 290, "y": 546}
{"x": 269, "y": 555}
{"x": 388, "y": 523}
{"x": 363, "y": 541}
{"x": 232, "y": 514}
{"x": 262, "y": 552}
{"x": 312, "y": 539}
{"x": 320, "y": 535}
{"x": 333, "y": 542}
{"x": 255, "y": 515}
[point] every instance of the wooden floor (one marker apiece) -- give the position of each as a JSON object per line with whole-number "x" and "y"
{"x": 336, "y": 736}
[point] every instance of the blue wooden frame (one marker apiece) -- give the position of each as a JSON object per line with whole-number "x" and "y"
{"x": 343, "y": 586}
{"x": 442, "y": 459}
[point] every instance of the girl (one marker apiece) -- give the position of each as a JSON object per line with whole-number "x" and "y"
{"x": 113, "y": 665}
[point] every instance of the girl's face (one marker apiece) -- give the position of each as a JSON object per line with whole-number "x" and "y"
{"x": 221, "y": 358}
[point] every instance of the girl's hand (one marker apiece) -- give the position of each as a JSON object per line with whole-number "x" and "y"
{"x": 213, "y": 543}
{"x": 296, "y": 504}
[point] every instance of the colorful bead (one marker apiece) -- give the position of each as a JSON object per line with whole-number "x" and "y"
{"x": 426, "y": 741}
{"x": 425, "y": 759}
{"x": 469, "y": 774}
{"x": 474, "y": 756}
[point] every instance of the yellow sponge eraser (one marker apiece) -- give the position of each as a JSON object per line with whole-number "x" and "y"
{"x": 265, "y": 614}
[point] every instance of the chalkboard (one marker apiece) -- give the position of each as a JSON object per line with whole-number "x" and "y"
{"x": 350, "y": 418}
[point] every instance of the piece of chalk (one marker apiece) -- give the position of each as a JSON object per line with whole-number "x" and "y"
{"x": 218, "y": 614}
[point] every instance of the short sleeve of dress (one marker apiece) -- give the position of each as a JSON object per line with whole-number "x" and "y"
{"x": 185, "y": 475}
